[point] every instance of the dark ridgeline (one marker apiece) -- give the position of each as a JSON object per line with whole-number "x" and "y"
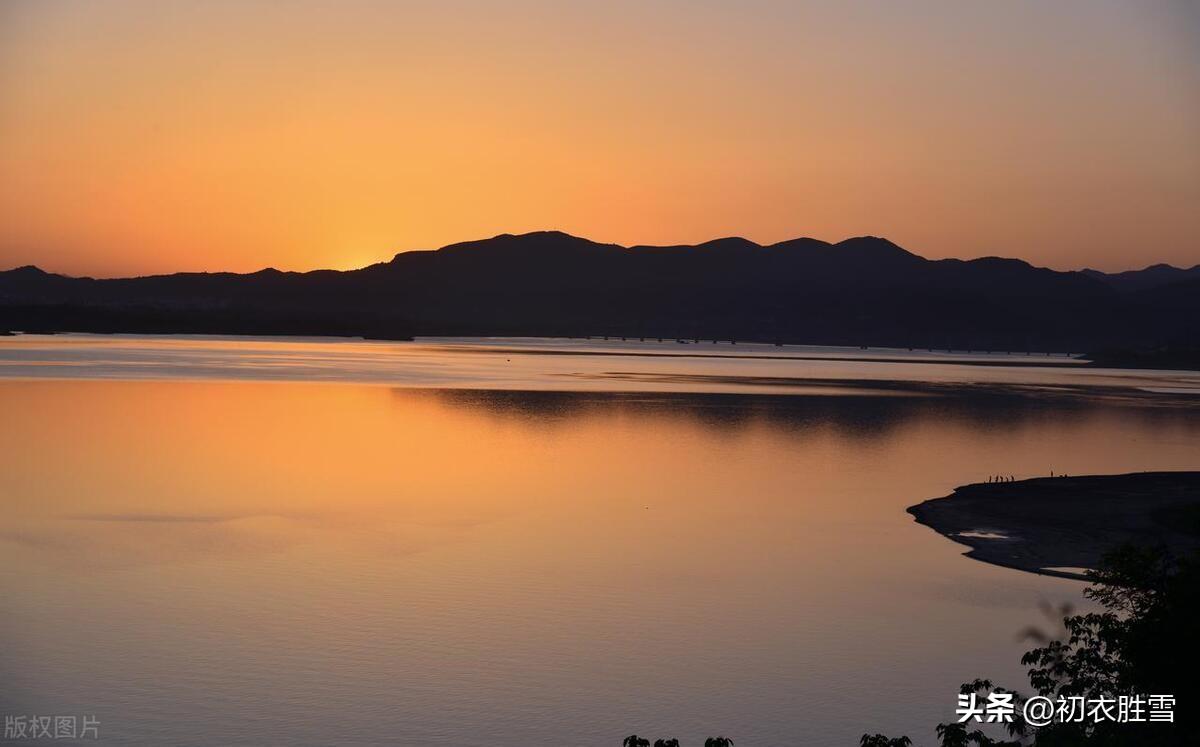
{"x": 1145, "y": 279}
{"x": 862, "y": 291}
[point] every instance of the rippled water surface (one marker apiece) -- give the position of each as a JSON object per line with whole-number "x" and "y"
{"x": 496, "y": 542}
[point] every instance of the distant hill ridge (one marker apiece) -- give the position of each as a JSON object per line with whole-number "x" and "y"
{"x": 1146, "y": 278}
{"x": 864, "y": 290}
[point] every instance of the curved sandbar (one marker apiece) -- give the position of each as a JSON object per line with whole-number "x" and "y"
{"x": 1053, "y": 525}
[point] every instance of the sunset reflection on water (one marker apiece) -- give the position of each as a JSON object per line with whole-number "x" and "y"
{"x": 337, "y": 562}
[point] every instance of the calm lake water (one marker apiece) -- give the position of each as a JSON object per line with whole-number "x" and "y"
{"x": 490, "y": 542}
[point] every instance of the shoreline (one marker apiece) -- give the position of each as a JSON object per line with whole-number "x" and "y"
{"x": 1054, "y": 525}
{"x": 875, "y": 353}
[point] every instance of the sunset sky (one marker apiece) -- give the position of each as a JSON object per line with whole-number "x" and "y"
{"x": 140, "y": 137}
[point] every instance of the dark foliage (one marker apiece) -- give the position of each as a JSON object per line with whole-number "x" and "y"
{"x": 1141, "y": 644}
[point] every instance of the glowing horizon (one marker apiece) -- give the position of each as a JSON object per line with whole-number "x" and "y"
{"x": 141, "y": 138}
{"x": 390, "y": 257}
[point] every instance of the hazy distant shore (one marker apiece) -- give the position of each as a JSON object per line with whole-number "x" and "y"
{"x": 1061, "y": 525}
{"x": 1185, "y": 359}
{"x": 598, "y": 366}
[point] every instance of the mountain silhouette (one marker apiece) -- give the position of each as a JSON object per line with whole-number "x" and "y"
{"x": 861, "y": 291}
{"x": 1148, "y": 278}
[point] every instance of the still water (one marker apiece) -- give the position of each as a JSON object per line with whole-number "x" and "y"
{"x": 213, "y": 541}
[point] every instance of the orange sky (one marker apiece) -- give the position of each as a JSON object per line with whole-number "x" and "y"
{"x": 141, "y": 137}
